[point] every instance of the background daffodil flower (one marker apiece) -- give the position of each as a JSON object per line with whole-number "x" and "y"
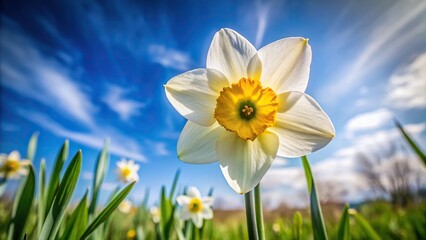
{"x": 194, "y": 207}
{"x": 127, "y": 171}
{"x": 12, "y": 167}
{"x": 247, "y": 107}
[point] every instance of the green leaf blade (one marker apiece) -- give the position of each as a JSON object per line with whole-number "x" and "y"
{"x": 100, "y": 172}
{"x": 56, "y": 174}
{"x": 411, "y": 142}
{"x": 32, "y": 146}
{"x": 22, "y": 206}
{"x": 318, "y": 225}
{"x": 109, "y": 209}
{"x": 62, "y": 198}
{"x": 343, "y": 232}
{"x": 365, "y": 226}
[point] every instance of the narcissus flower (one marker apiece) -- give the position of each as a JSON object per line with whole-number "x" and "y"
{"x": 127, "y": 171}
{"x": 247, "y": 107}
{"x": 125, "y": 206}
{"x": 155, "y": 214}
{"x": 12, "y": 167}
{"x": 195, "y": 207}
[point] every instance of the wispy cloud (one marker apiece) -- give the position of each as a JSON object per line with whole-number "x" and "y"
{"x": 388, "y": 36}
{"x": 407, "y": 87}
{"x": 121, "y": 145}
{"x": 168, "y": 57}
{"x": 368, "y": 121}
{"x": 116, "y": 99}
{"x": 30, "y": 73}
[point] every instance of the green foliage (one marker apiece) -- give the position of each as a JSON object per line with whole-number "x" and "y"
{"x": 62, "y": 198}
{"x": 22, "y": 206}
{"x": 77, "y": 222}
{"x": 316, "y": 214}
{"x": 55, "y": 176}
{"x": 109, "y": 209}
{"x": 32, "y": 146}
{"x": 297, "y": 225}
{"x": 365, "y": 226}
{"x": 411, "y": 142}
{"x": 100, "y": 172}
{"x": 343, "y": 232}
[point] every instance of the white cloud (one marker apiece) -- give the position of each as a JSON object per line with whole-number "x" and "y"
{"x": 279, "y": 162}
{"x": 117, "y": 101}
{"x": 400, "y": 26}
{"x": 120, "y": 145}
{"x": 108, "y": 186}
{"x": 88, "y": 175}
{"x": 262, "y": 12}
{"x": 30, "y": 73}
{"x": 169, "y": 57}
{"x": 369, "y": 121}
{"x": 407, "y": 88}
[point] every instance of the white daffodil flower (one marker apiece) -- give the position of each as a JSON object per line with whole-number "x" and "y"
{"x": 127, "y": 171}
{"x": 125, "y": 206}
{"x": 155, "y": 214}
{"x": 12, "y": 167}
{"x": 247, "y": 107}
{"x": 195, "y": 207}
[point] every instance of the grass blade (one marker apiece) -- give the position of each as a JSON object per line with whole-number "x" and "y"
{"x": 109, "y": 209}
{"x": 343, "y": 231}
{"x": 364, "y": 225}
{"x": 297, "y": 226}
{"x": 411, "y": 142}
{"x": 62, "y": 198}
{"x": 56, "y": 174}
{"x": 174, "y": 184}
{"x": 32, "y": 146}
{"x": 100, "y": 172}
{"x": 22, "y": 206}
{"x": 41, "y": 196}
{"x": 318, "y": 225}
{"x": 78, "y": 221}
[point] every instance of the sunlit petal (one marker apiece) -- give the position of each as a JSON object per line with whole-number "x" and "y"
{"x": 243, "y": 162}
{"x": 301, "y": 125}
{"x": 193, "y": 94}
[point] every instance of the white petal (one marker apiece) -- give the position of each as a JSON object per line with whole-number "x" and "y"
{"x": 286, "y": 65}
{"x": 230, "y": 53}
{"x": 207, "y": 201}
{"x": 197, "y": 220}
{"x": 302, "y": 126}
{"x": 193, "y": 192}
{"x": 254, "y": 69}
{"x": 183, "y": 200}
{"x": 207, "y": 213}
{"x": 245, "y": 162}
{"x": 193, "y": 94}
{"x": 184, "y": 214}
{"x": 14, "y": 155}
{"x": 197, "y": 144}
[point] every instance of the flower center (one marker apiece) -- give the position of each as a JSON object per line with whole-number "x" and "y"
{"x": 246, "y": 108}
{"x": 126, "y": 171}
{"x": 12, "y": 165}
{"x": 195, "y": 205}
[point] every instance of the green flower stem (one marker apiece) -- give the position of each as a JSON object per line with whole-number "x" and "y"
{"x": 259, "y": 212}
{"x": 251, "y": 216}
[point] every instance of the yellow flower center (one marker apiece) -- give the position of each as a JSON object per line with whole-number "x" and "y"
{"x": 12, "y": 165}
{"x": 131, "y": 234}
{"x": 195, "y": 205}
{"x": 246, "y": 108}
{"x": 126, "y": 171}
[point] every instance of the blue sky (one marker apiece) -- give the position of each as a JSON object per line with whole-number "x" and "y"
{"x": 87, "y": 71}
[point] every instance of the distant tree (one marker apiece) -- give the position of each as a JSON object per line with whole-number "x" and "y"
{"x": 392, "y": 173}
